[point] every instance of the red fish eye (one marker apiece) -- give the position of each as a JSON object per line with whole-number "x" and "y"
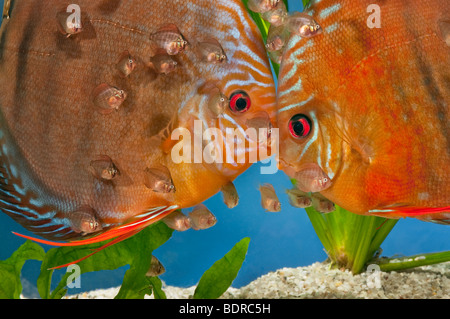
{"x": 240, "y": 102}
{"x": 300, "y": 126}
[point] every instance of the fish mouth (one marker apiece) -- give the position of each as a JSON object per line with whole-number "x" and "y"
{"x": 310, "y": 177}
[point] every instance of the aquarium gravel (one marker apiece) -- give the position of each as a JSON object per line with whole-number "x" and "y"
{"x": 318, "y": 281}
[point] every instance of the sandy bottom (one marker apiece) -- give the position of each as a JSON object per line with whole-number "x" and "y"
{"x": 317, "y": 281}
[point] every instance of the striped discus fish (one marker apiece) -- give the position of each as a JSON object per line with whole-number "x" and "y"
{"x": 97, "y": 96}
{"x": 364, "y": 112}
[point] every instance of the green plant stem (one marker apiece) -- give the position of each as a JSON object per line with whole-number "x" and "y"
{"x": 364, "y": 232}
{"x": 383, "y": 230}
{"x": 305, "y": 3}
{"x": 396, "y": 264}
{"x": 350, "y": 240}
{"x": 321, "y": 229}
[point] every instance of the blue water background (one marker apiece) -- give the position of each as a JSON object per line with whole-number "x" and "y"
{"x": 284, "y": 239}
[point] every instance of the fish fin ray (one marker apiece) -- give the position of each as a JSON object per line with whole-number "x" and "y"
{"x": 114, "y": 241}
{"x": 439, "y": 215}
{"x": 417, "y": 211}
{"x": 147, "y": 219}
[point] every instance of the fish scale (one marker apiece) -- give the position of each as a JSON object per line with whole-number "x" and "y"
{"x": 51, "y": 130}
{"x": 378, "y": 101}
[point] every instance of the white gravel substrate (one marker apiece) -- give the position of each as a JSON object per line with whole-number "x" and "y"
{"x": 317, "y": 281}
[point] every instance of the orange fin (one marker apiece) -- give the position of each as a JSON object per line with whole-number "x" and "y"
{"x": 440, "y": 215}
{"x": 119, "y": 233}
{"x": 417, "y": 211}
{"x": 43, "y": 241}
{"x": 115, "y": 241}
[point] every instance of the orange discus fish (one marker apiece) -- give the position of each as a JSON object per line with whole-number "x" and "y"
{"x": 88, "y": 124}
{"x": 364, "y": 107}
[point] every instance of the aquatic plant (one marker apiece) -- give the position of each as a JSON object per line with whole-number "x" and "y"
{"x": 135, "y": 252}
{"x": 351, "y": 241}
{"x": 216, "y": 280}
{"x": 10, "y": 269}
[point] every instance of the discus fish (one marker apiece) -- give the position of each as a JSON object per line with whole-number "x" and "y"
{"x": 276, "y": 16}
{"x": 277, "y": 37}
{"x": 108, "y": 98}
{"x": 163, "y": 63}
{"x": 230, "y": 195}
{"x": 126, "y": 64}
{"x": 364, "y": 113}
{"x": 304, "y": 25}
{"x": 298, "y": 199}
{"x": 51, "y": 128}
{"x": 210, "y": 50}
{"x": 158, "y": 179}
{"x": 218, "y": 103}
{"x": 6, "y": 7}
{"x": 156, "y": 268}
{"x": 66, "y": 25}
{"x": 201, "y": 217}
{"x": 103, "y": 168}
{"x": 85, "y": 221}
{"x": 169, "y": 38}
{"x": 178, "y": 221}
{"x": 262, "y": 6}
{"x": 269, "y": 199}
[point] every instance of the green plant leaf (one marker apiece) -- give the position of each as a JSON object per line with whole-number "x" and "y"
{"x": 135, "y": 251}
{"x": 135, "y": 282}
{"x": 10, "y": 269}
{"x": 350, "y": 240}
{"x": 216, "y": 280}
{"x": 156, "y": 286}
{"x": 396, "y": 264}
{"x": 306, "y": 3}
{"x": 263, "y": 27}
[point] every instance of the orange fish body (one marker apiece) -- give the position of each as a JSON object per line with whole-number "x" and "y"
{"x": 364, "y": 111}
{"x": 52, "y": 129}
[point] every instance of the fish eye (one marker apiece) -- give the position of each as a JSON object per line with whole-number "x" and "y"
{"x": 240, "y": 102}
{"x": 300, "y": 126}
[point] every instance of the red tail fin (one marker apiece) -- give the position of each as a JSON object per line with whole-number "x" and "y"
{"x": 119, "y": 233}
{"x": 439, "y": 215}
